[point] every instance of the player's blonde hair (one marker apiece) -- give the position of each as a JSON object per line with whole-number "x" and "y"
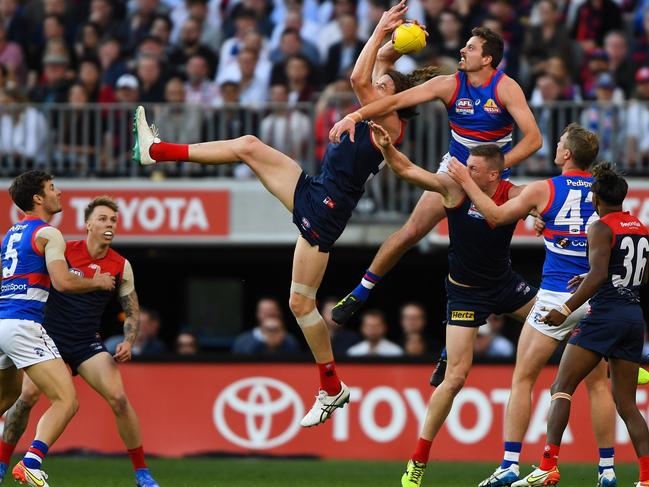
{"x": 103, "y": 200}
{"x": 582, "y": 144}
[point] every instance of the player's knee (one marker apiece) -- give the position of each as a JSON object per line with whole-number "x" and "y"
{"x": 300, "y": 305}
{"x": 119, "y": 403}
{"x": 454, "y": 382}
{"x": 69, "y": 407}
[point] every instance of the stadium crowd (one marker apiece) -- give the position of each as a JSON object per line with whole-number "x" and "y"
{"x": 195, "y": 54}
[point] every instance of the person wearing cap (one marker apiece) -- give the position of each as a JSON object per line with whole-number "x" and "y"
{"x": 127, "y": 89}
{"x": 637, "y": 148}
{"x": 55, "y": 86}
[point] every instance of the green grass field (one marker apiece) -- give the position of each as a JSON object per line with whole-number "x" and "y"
{"x": 111, "y": 472}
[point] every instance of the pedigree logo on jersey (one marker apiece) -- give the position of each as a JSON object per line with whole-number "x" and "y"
{"x": 464, "y": 106}
{"x": 579, "y": 183}
{"x": 491, "y": 107}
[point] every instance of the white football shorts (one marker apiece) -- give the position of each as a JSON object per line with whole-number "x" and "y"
{"x": 24, "y": 343}
{"x": 547, "y": 300}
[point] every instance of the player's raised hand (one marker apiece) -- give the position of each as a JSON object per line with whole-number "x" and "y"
{"x": 458, "y": 172}
{"x": 123, "y": 352}
{"x": 554, "y": 318}
{"x": 381, "y": 136}
{"x": 393, "y": 18}
{"x": 104, "y": 280}
{"x": 347, "y": 124}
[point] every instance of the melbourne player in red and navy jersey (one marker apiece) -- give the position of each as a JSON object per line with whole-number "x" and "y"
{"x": 480, "y": 280}
{"x": 73, "y": 320}
{"x": 614, "y": 327}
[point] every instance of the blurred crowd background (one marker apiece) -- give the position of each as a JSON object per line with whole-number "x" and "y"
{"x": 280, "y": 70}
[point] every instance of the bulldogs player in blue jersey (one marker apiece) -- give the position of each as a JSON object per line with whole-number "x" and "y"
{"x": 321, "y": 205}
{"x": 33, "y": 257}
{"x": 480, "y": 280}
{"x": 482, "y": 104}
{"x": 613, "y": 327}
{"x": 565, "y": 204}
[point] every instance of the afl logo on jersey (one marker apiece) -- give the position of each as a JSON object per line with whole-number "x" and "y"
{"x": 474, "y": 213}
{"x": 491, "y": 107}
{"x": 464, "y": 106}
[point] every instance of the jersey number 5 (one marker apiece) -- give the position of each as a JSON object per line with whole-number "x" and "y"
{"x": 641, "y": 262}
{"x": 11, "y": 255}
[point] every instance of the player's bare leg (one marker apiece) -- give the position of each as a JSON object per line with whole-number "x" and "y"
{"x": 428, "y": 213}
{"x": 102, "y": 374}
{"x": 276, "y": 171}
{"x": 459, "y": 345}
{"x": 309, "y": 265}
{"x": 51, "y": 377}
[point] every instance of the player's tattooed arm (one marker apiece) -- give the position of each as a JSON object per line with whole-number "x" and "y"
{"x": 131, "y": 307}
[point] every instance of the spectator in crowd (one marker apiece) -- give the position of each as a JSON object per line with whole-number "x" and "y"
{"x": 412, "y": 318}
{"x": 161, "y": 30}
{"x": 291, "y": 44}
{"x": 556, "y": 67}
{"x": 261, "y": 9}
{"x": 5, "y": 80}
{"x": 15, "y": 22}
{"x": 596, "y": 64}
{"x": 186, "y": 343}
{"x": 87, "y": 43}
{"x": 342, "y": 55}
{"x": 307, "y": 30}
{"x": 510, "y": 29}
{"x": 254, "y": 87}
{"x": 373, "y": 329}
{"x": 619, "y": 61}
{"x": 432, "y": 14}
{"x": 332, "y": 31}
{"x": 190, "y": 44}
{"x": 90, "y": 78}
{"x": 342, "y": 338}
{"x": 208, "y": 13}
{"x": 152, "y": 46}
{"x": 489, "y": 343}
{"x": 450, "y": 29}
{"x": 199, "y": 89}
{"x": 638, "y": 122}
{"x": 118, "y": 131}
{"x": 141, "y": 19}
{"x": 249, "y": 340}
{"x": 277, "y": 341}
{"x": 336, "y": 101}
{"x": 233, "y": 120}
{"x": 112, "y": 65}
{"x": 147, "y": 342}
{"x": 53, "y": 34}
{"x": 103, "y": 14}
{"x": 244, "y": 22}
{"x": 414, "y": 345}
{"x": 300, "y": 79}
{"x": 606, "y": 117}
{"x": 640, "y": 54}
{"x": 548, "y": 38}
{"x": 127, "y": 89}
{"x": 23, "y": 129}
{"x": 149, "y": 73}
{"x": 284, "y": 128}
{"x": 594, "y": 19}
{"x": 11, "y": 55}
{"x": 54, "y": 88}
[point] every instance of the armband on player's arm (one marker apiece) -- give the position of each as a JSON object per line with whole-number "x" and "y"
{"x": 127, "y": 285}
{"x": 55, "y": 246}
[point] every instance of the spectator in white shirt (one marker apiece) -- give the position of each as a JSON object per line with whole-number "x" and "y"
{"x": 331, "y": 33}
{"x": 309, "y": 31}
{"x": 23, "y": 129}
{"x": 254, "y": 89}
{"x": 638, "y": 122}
{"x": 245, "y": 22}
{"x": 373, "y": 330}
{"x": 198, "y": 87}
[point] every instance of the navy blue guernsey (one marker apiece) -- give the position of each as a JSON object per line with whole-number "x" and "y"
{"x": 74, "y": 317}
{"x": 478, "y": 254}
{"x": 627, "y": 265}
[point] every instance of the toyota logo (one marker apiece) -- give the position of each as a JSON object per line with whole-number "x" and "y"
{"x": 258, "y": 400}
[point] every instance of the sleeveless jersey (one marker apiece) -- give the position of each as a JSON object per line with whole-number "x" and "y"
{"x": 478, "y": 254}
{"x": 74, "y": 316}
{"x": 25, "y": 281}
{"x": 567, "y": 216}
{"x": 627, "y": 264}
{"x": 347, "y": 166}
{"x": 476, "y": 116}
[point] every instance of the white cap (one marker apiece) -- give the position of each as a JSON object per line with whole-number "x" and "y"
{"x": 127, "y": 81}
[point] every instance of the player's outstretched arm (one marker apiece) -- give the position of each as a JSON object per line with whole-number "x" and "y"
{"x": 131, "y": 306}
{"x": 509, "y": 212}
{"x": 599, "y": 255}
{"x": 51, "y": 242}
{"x": 513, "y": 99}
{"x": 403, "y": 167}
{"x": 438, "y": 87}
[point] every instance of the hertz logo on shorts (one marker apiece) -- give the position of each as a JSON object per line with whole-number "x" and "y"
{"x": 463, "y": 315}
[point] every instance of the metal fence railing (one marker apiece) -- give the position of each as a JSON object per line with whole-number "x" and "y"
{"x": 95, "y": 140}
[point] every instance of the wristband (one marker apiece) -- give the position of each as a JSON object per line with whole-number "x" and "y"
{"x": 564, "y": 310}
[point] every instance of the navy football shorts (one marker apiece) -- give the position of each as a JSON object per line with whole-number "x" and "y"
{"x": 611, "y": 333}
{"x": 318, "y": 223}
{"x": 77, "y": 351}
{"x": 470, "y": 306}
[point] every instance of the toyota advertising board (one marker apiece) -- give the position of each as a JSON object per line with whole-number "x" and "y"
{"x": 247, "y": 409}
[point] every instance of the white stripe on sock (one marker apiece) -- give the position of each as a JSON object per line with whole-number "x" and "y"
{"x": 367, "y": 284}
{"x": 33, "y": 456}
{"x": 606, "y": 462}
{"x": 512, "y": 456}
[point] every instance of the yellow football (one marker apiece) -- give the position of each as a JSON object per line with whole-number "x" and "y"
{"x": 408, "y": 37}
